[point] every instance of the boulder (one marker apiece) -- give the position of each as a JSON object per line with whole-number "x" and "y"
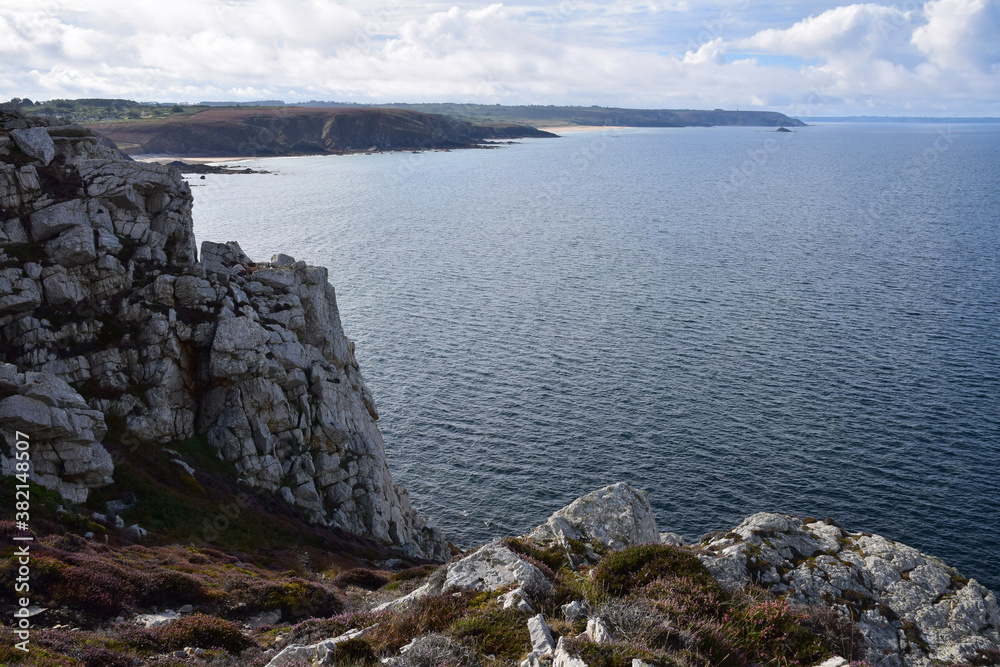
{"x": 494, "y": 566}
{"x": 616, "y": 516}
{"x": 541, "y": 636}
{"x": 598, "y": 631}
{"x": 36, "y": 144}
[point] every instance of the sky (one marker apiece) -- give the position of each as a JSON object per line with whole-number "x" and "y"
{"x": 813, "y": 58}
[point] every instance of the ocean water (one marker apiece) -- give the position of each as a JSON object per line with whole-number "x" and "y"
{"x": 732, "y": 319}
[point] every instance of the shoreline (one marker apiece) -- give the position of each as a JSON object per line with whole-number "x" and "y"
{"x": 581, "y": 128}
{"x": 167, "y": 159}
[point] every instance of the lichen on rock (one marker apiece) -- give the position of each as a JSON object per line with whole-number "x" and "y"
{"x": 911, "y": 608}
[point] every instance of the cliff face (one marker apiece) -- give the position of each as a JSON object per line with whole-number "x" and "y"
{"x": 110, "y": 322}
{"x": 238, "y": 132}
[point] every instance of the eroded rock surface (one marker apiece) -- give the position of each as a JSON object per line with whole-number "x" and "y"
{"x": 63, "y": 433}
{"x": 911, "y": 608}
{"x": 101, "y": 287}
{"x": 617, "y": 516}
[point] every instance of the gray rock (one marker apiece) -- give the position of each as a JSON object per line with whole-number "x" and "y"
{"x": 541, "y": 636}
{"x": 835, "y": 661}
{"x": 515, "y": 599}
{"x": 672, "y": 539}
{"x": 266, "y": 618}
{"x": 280, "y": 261}
{"x": 252, "y": 356}
{"x": 598, "y": 631}
{"x": 575, "y": 610}
{"x": 73, "y": 247}
{"x": 896, "y": 592}
{"x": 157, "y": 619}
{"x": 54, "y": 220}
{"x": 494, "y": 566}
{"x": 62, "y": 289}
{"x": 561, "y": 658}
{"x": 316, "y": 653}
{"x": 65, "y": 434}
{"x": 36, "y": 144}
{"x": 617, "y": 516}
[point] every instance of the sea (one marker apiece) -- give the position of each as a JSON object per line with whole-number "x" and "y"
{"x": 733, "y": 319}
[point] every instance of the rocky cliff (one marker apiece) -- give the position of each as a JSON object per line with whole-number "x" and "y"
{"x": 111, "y": 323}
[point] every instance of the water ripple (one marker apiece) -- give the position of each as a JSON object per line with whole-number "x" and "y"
{"x": 532, "y": 331}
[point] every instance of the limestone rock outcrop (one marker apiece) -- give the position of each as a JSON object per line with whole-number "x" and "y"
{"x": 617, "y": 516}
{"x": 101, "y": 288}
{"x": 912, "y": 609}
{"x": 63, "y": 434}
{"x": 491, "y": 567}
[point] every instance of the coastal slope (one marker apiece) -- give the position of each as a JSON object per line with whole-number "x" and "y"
{"x": 246, "y": 132}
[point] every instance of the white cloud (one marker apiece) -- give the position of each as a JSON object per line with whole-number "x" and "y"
{"x": 961, "y": 33}
{"x": 857, "y": 32}
{"x": 629, "y": 53}
{"x": 710, "y": 52}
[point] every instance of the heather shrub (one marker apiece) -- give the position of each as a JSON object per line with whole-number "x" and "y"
{"x": 103, "y": 657}
{"x": 353, "y": 653}
{"x": 836, "y": 631}
{"x": 685, "y": 597}
{"x": 773, "y": 634}
{"x": 637, "y": 621}
{"x": 437, "y": 650}
{"x": 434, "y": 613}
{"x": 362, "y": 578}
{"x": 164, "y": 587}
{"x": 202, "y": 631}
{"x": 613, "y": 654}
{"x": 137, "y": 637}
{"x": 40, "y": 655}
{"x": 418, "y": 572}
{"x": 499, "y": 632}
{"x": 97, "y": 587}
{"x": 628, "y": 569}
{"x": 553, "y": 557}
{"x": 295, "y": 597}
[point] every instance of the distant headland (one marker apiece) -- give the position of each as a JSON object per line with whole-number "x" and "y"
{"x": 272, "y": 128}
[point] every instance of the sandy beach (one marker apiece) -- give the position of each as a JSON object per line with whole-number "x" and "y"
{"x": 167, "y": 159}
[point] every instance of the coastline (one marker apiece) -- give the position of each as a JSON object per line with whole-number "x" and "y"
{"x": 167, "y": 159}
{"x": 557, "y": 129}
